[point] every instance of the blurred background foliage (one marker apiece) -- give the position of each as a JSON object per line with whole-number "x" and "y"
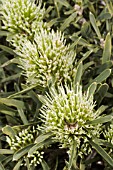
{"x": 87, "y": 26}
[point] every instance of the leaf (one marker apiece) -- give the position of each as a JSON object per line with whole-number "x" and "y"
{"x": 8, "y": 130}
{"x": 6, "y": 151}
{"x": 103, "y": 76}
{"x": 86, "y": 30}
{"x": 10, "y": 78}
{"x": 7, "y": 49}
{"x": 91, "y": 89}
{"x": 52, "y": 22}
{"x": 39, "y": 145}
{"x": 101, "y": 109}
{"x": 23, "y": 91}
{"x": 56, "y": 165}
{"x": 7, "y": 110}
{"x": 104, "y": 16}
{"x": 64, "y": 3}
{"x": 1, "y": 166}
{"x": 85, "y": 56}
{"x": 12, "y": 102}
{"x": 20, "y": 153}
{"x": 74, "y": 44}
{"x": 72, "y": 155}
{"x": 104, "y": 66}
{"x": 17, "y": 166}
{"x": 68, "y": 21}
{"x": 101, "y": 120}
{"x": 102, "y": 152}
{"x": 101, "y": 93}
{"x": 79, "y": 73}
{"x": 93, "y": 22}
{"x": 45, "y": 165}
{"x": 103, "y": 143}
{"x": 43, "y": 137}
{"x": 87, "y": 65}
{"x": 23, "y": 117}
{"x": 107, "y": 49}
{"x": 14, "y": 60}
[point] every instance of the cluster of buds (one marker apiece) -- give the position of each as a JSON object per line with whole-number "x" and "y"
{"x": 24, "y": 138}
{"x": 66, "y": 113}
{"x": 36, "y": 158}
{"x": 19, "y": 16}
{"x": 108, "y": 134}
{"x": 45, "y": 57}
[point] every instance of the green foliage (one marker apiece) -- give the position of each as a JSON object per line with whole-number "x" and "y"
{"x": 56, "y": 85}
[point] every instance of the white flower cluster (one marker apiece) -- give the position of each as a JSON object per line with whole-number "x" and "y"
{"x": 20, "y": 16}
{"x": 45, "y": 59}
{"x": 108, "y": 134}
{"x": 66, "y": 113}
{"x": 43, "y": 53}
{"x": 24, "y": 138}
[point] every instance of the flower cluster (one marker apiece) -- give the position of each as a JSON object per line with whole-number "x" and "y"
{"x": 19, "y": 16}
{"x": 45, "y": 57}
{"x": 108, "y": 134}
{"x": 66, "y": 113}
{"x": 24, "y": 138}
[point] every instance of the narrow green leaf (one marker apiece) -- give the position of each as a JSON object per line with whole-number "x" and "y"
{"x": 101, "y": 109}
{"x": 79, "y": 73}
{"x": 8, "y": 130}
{"x": 101, "y": 93}
{"x": 1, "y": 166}
{"x": 103, "y": 143}
{"x": 91, "y": 89}
{"x": 12, "y": 102}
{"x": 47, "y": 11}
{"x": 85, "y": 56}
{"x": 72, "y": 156}
{"x": 7, "y": 110}
{"x": 107, "y": 49}
{"x": 75, "y": 43}
{"x": 20, "y": 153}
{"x": 102, "y": 152}
{"x": 45, "y": 165}
{"x": 56, "y": 165}
{"x": 23, "y": 91}
{"x": 10, "y": 78}
{"x": 23, "y": 117}
{"x": 103, "y": 76}
{"x": 104, "y": 16}
{"x": 14, "y": 60}
{"x": 68, "y": 21}
{"x": 93, "y": 22}
{"x": 64, "y": 3}
{"x": 7, "y": 49}
{"x": 43, "y": 137}
{"x": 6, "y": 151}
{"x": 7, "y": 160}
{"x": 17, "y": 166}
{"x": 52, "y": 22}
{"x": 87, "y": 65}
{"x": 104, "y": 66}
{"x": 101, "y": 120}
{"x": 39, "y": 145}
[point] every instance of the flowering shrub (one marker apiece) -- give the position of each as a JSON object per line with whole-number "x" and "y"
{"x": 65, "y": 47}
